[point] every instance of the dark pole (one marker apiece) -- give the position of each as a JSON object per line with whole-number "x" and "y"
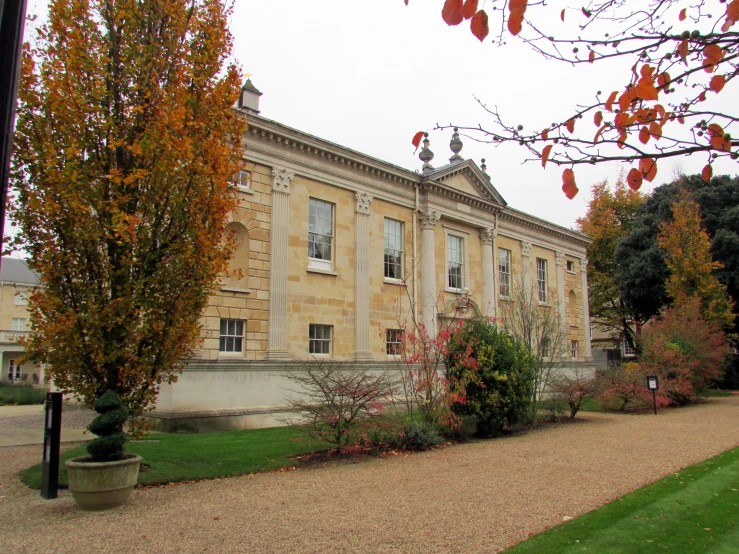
{"x": 52, "y": 443}
{"x": 12, "y": 22}
{"x": 654, "y": 398}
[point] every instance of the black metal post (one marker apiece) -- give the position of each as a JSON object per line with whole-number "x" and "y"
{"x": 654, "y": 398}
{"x": 12, "y": 23}
{"x": 52, "y": 442}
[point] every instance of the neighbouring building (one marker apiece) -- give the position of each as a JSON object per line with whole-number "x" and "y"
{"x": 16, "y": 283}
{"x": 334, "y": 246}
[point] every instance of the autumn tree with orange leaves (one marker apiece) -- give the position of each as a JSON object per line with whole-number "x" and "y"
{"x": 126, "y": 141}
{"x": 688, "y": 256}
{"x": 681, "y": 52}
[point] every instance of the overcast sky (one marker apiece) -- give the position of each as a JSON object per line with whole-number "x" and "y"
{"x": 369, "y": 74}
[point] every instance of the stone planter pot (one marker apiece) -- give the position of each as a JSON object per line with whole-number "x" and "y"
{"x": 102, "y": 485}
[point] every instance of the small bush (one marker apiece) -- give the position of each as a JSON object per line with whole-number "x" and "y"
{"x": 553, "y": 408}
{"x": 623, "y": 385}
{"x": 491, "y": 374}
{"x": 21, "y": 395}
{"x": 573, "y": 389}
{"x": 419, "y": 435}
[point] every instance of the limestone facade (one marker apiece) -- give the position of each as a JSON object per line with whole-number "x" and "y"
{"x": 336, "y": 248}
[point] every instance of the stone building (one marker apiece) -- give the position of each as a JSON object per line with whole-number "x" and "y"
{"x": 336, "y": 247}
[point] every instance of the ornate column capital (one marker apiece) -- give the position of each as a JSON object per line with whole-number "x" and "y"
{"x": 282, "y": 179}
{"x": 429, "y": 219}
{"x": 525, "y": 248}
{"x": 364, "y": 199}
{"x": 584, "y": 265}
{"x": 487, "y": 235}
{"x": 560, "y": 258}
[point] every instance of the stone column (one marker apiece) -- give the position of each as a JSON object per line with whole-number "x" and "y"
{"x": 428, "y": 270}
{"x": 277, "y": 339}
{"x": 487, "y": 240}
{"x": 561, "y": 295}
{"x": 585, "y": 306}
{"x": 526, "y": 266}
{"x": 362, "y": 311}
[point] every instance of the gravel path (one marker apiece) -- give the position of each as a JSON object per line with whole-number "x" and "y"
{"x": 477, "y": 497}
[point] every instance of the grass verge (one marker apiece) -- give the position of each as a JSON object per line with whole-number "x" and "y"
{"x": 692, "y": 511}
{"x": 19, "y": 395}
{"x": 175, "y": 457}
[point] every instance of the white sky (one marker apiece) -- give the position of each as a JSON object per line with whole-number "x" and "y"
{"x": 369, "y": 74}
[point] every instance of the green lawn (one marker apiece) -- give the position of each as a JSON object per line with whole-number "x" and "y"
{"x": 23, "y": 394}
{"x": 695, "y": 510}
{"x": 177, "y": 457}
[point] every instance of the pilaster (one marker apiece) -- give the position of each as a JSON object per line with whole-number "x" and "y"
{"x": 487, "y": 241}
{"x": 585, "y": 306}
{"x": 561, "y": 297}
{"x": 362, "y": 316}
{"x": 277, "y": 337}
{"x": 428, "y": 218}
{"x": 526, "y": 263}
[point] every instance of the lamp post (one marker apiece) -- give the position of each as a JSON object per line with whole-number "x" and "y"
{"x": 12, "y": 19}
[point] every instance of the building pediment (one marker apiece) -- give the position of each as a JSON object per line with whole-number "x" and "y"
{"x": 467, "y": 178}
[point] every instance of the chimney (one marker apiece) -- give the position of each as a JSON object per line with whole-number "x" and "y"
{"x": 249, "y": 99}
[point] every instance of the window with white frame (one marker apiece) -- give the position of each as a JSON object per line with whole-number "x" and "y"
{"x": 21, "y": 299}
{"x": 319, "y": 339}
{"x": 15, "y": 371}
{"x": 628, "y": 350}
{"x": 232, "y": 336}
{"x": 320, "y": 234}
{"x": 545, "y": 348}
{"x": 394, "y": 342}
{"x": 18, "y": 324}
{"x": 393, "y": 249}
{"x": 541, "y": 279}
{"x": 570, "y": 266}
{"x": 504, "y": 271}
{"x": 575, "y": 345}
{"x": 242, "y": 180}
{"x": 455, "y": 262}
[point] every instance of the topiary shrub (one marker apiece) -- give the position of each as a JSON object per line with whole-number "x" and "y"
{"x": 491, "y": 372}
{"x": 108, "y": 426}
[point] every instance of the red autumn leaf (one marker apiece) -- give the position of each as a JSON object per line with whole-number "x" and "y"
{"x": 545, "y": 134}
{"x": 683, "y": 14}
{"x": 713, "y": 53}
{"x": 598, "y": 119}
{"x": 479, "y": 25}
{"x": 611, "y": 100}
{"x": 726, "y": 26}
{"x": 515, "y": 22}
{"x": 451, "y": 13}
{"x": 570, "y": 191}
{"x": 586, "y": 13}
{"x": 732, "y": 11}
{"x": 600, "y": 131}
{"x": 702, "y": 96}
{"x": 720, "y": 143}
{"x": 622, "y": 140}
{"x": 644, "y": 135}
{"x": 715, "y": 130}
{"x": 680, "y": 119}
{"x": 570, "y": 124}
{"x": 416, "y": 141}
{"x": 655, "y": 129}
{"x": 707, "y": 173}
{"x": 634, "y": 179}
{"x": 562, "y": 15}
{"x": 545, "y": 155}
{"x": 663, "y": 80}
{"x": 682, "y": 49}
{"x": 717, "y": 83}
{"x": 517, "y": 5}
{"x": 568, "y": 176}
{"x": 406, "y": 2}
{"x": 648, "y": 168}
{"x": 646, "y": 91}
{"x": 591, "y": 56}
{"x": 469, "y": 9}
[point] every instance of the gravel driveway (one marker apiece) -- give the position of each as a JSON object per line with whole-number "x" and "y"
{"x": 476, "y": 497}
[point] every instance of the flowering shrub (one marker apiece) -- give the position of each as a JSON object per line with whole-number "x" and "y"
{"x": 572, "y": 389}
{"x": 686, "y": 351}
{"x": 626, "y": 384}
{"x": 490, "y": 373}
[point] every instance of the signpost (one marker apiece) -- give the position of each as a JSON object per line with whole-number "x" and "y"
{"x": 52, "y": 441}
{"x": 653, "y": 385}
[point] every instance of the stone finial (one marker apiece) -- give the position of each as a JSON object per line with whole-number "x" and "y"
{"x": 282, "y": 178}
{"x": 525, "y": 248}
{"x": 487, "y": 235}
{"x": 560, "y": 257}
{"x": 426, "y": 155}
{"x": 484, "y": 168}
{"x": 364, "y": 199}
{"x": 429, "y": 219}
{"x": 456, "y": 147}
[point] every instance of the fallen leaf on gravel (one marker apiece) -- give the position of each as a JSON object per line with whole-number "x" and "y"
{"x": 566, "y": 518}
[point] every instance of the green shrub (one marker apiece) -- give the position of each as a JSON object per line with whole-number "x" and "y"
{"x": 108, "y": 426}
{"x": 21, "y": 395}
{"x": 494, "y": 379}
{"x": 419, "y": 435}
